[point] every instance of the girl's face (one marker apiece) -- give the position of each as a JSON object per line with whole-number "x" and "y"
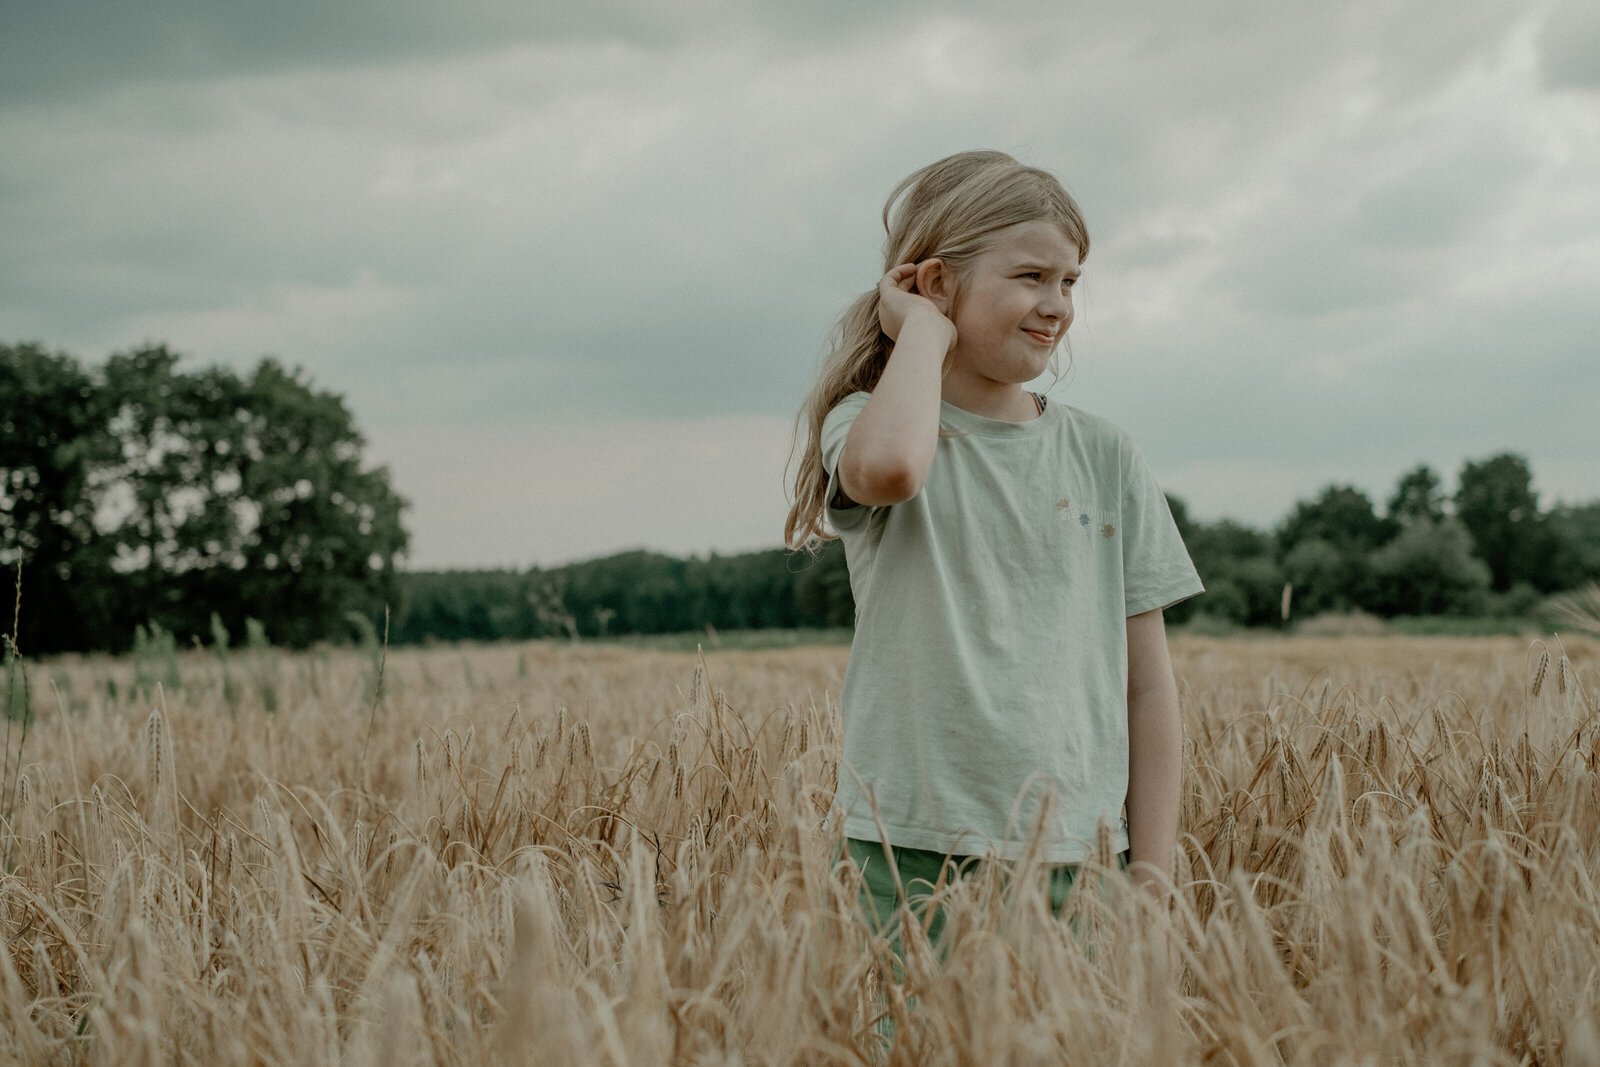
{"x": 1014, "y": 304}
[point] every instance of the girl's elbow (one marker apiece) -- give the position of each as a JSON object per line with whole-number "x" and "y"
{"x": 889, "y": 481}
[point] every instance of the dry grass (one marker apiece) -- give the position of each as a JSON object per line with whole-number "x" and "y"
{"x": 589, "y": 855}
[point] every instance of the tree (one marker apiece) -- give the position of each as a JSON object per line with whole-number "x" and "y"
{"x": 1217, "y": 547}
{"x": 1324, "y": 544}
{"x": 1429, "y": 569}
{"x": 1261, "y": 581}
{"x": 468, "y": 605}
{"x": 1576, "y": 530}
{"x": 822, "y": 587}
{"x": 1326, "y": 577}
{"x": 1341, "y": 515}
{"x": 1180, "y": 516}
{"x": 319, "y": 532}
{"x": 1224, "y": 553}
{"x": 1248, "y": 592}
{"x": 187, "y": 493}
{"x": 1418, "y": 496}
{"x": 53, "y": 440}
{"x": 167, "y": 496}
{"x": 1497, "y": 504}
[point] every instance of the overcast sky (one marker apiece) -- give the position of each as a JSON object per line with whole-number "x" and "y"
{"x": 572, "y": 265}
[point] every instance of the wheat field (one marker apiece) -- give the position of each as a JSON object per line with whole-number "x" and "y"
{"x": 564, "y": 854}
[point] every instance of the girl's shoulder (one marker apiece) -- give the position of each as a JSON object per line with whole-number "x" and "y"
{"x": 1103, "y": 444}
{"x": 855, "y": 399}
{"x": 838, "y": 420}
{"x": 1088, "y": 426}
{"x": 847, "y": 408}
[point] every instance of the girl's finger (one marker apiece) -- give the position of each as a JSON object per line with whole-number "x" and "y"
{"x": 902, "y": 277}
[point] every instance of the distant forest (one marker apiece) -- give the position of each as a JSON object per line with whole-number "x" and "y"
{"x": 629, "y": 593}
{"x": 1485, "y": 550}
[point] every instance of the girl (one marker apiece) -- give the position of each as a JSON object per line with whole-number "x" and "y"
{"x": 1009, "y": 679}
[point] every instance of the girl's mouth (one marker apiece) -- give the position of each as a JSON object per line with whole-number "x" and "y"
{"x": 1041, "y": 337}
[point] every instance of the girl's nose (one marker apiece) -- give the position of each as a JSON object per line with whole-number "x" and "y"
{"x": 1057, "y": 305}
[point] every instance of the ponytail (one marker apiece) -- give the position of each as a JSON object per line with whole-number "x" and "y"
{"x": 857, "y": 356}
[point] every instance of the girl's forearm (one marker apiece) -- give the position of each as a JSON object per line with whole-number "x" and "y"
{"x": 1155, "y": 752}
{"x": 1155, "y": 755}
{"x": 891, "y": 443}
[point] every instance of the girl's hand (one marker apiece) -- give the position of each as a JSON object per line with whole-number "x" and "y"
{"x": 897, "y": 302}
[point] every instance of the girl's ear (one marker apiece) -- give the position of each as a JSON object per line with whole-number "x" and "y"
{"x": 935, "y": 282}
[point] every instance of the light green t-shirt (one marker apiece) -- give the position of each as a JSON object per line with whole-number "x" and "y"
{"x": 989, "y": 669}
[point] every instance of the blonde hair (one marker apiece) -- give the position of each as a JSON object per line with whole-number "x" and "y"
{"x": 950, "y": 210}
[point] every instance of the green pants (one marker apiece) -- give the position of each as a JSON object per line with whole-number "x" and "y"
{"x": 920, "y": 871}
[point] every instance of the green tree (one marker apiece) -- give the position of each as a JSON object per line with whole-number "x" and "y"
{"x": 468, "y": 606}
{"x": 1324, "y": 545}
{"x": 822, "y": 588}
{"x": 1259, "y": 581}
{"x": 1180, "y": 516}
{"x": 1218, "y": 547}
{"x": 1326, "y": 577}
{"x": 53, "y": 444}
{"x": 167, "y": 498}
{"x": 643, "y": 589}
{"x": 1418, "y": 496}
{"x": 319, "y": 532}
{"x": 1223, "y": 599}
{"x": 1226, "y": 554}
{"x": 1575, "y": 529}
{"x": 1497, "y": 504}
{"x": 156, "y": 495}
{"x": 1243, "y": 581}
{"x": 1341, "y": 515}
{"x": 1429, "y": 569}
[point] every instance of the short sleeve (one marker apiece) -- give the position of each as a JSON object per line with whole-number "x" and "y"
{"x": 835, "y": 428}
{"x": 1156, "y": 569}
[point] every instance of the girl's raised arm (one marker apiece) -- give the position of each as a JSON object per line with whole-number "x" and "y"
{"x": 891, "y": 443}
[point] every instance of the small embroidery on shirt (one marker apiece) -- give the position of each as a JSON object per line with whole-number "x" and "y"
{"x": 1107, "y": 530}
{"x": 1063, "y": 504}
{"x": 1083, "y": 519}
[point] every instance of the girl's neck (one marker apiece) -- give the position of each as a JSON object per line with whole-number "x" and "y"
{"x": 1000, "y": 401}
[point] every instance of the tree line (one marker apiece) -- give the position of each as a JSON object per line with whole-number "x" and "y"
{"x": 207, "y": 502}
{"x": 631, "y": 593}
{"x": 1486, "y": 549}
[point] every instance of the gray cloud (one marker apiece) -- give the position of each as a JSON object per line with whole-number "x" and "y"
{"x": 1444, "y": 196}
{"x": 1570, "y": 43}
{"x": 70, "y": 51}
{"x": 1355, "y": 234}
